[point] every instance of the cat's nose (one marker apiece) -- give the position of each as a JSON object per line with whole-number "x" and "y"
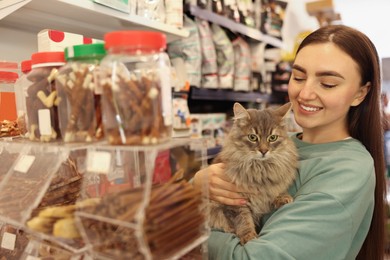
{"x": 263, "y": 151}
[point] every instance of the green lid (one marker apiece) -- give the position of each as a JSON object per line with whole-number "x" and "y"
{"x": 84, "y": 51}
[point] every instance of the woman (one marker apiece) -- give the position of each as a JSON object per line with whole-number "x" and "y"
{"x": 339, "y": 194}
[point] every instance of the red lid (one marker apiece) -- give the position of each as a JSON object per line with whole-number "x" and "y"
{"x": 26, "y": 66}
{"x": 146, "y": 40}
{"x": 47, "y": 57}
{"x": 8, "y": 77}
{"x": 8, "y": 65}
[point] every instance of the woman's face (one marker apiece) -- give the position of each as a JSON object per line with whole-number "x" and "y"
{"x": 324, "y": 84}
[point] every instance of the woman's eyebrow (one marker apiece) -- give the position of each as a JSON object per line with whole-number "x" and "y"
{"x": 320, "y": 73}
{"x": 299, "y": 68}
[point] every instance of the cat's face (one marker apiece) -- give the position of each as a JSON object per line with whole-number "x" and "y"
{"x": 259, "y": 133}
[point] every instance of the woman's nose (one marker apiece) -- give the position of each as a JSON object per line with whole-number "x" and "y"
{"x": 307, "y": 91}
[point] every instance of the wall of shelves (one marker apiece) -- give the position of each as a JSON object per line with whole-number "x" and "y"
{"x": 20, "y": 23}
{"x": 235, "y": 27}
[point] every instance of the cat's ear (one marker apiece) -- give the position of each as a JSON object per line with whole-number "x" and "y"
{"x": 240, "y": 111}
{"x": 284, "y": 110}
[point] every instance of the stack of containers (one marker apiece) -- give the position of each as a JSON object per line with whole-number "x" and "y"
{"x": 79, "y": 107}
{"x": 8, "y": 76}
{"x": 135, "y": 80}
{"x": 41, "y": 99}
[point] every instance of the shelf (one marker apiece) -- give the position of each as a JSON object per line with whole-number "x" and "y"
{"x": 79, "y": 16}
{"x": 227, "y": 95}
{"x": 233, "y": 26}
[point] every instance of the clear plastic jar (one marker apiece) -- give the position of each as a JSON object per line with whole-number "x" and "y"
{"x": 79, "y": 107}
{"x": 135, "y": 80}
{"x": 41, "y": 99}
{"x": 21, "y": 85}
{"x": 7, "y": 95}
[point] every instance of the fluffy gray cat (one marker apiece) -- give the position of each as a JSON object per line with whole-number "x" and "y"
{"x": 261, "y": 160}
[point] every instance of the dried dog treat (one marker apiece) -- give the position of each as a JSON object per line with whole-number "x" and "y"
{"x": 9, "y": 128}
{"x": 173, "y": 220}
{"x": 79, "y": 106}
{"x": 133, "y": 109}
{"x": 41, "y": 99}
{"x": 135, "y": 80}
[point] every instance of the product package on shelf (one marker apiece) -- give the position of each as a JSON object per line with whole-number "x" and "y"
{"x": 210, "y": 126}
{"x": 152, "y": 10}
{"x": 181, "y": 116}
{"x": 126, "y": 6}
{"x": 187, "y": 51}
{"x": 139, "y": 205}
{"x": 9, "y": 73}
{"x": 54, "y": 40}
{"x": 225, "y": 57}
{"x": 242, "y": 65}
{"x": 209, "y": 66}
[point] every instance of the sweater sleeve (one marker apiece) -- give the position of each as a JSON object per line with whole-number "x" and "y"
{"x": 328, "y": 219}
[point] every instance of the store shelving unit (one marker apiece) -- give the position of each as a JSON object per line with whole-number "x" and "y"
{"x": 227, "y": 95}
{"x": 82, "y": 17}
{"x": 233, "y": 26}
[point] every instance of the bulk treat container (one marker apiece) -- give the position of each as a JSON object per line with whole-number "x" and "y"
{"x": 135, "y": 80}
{"x": 79, "y": 109}
{"x": 42, "y": 99}
{"x": 36, "y": 180}
{"x": 21, "y": 85}
{"x": 8, "y": 76}
{"x": 141, "y": 205}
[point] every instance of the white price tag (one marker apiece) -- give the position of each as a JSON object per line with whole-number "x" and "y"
{"x": 99, "y": 162}
{"x": 44, "y": 121}
{"x": 24, "y": 163}
{"x": 8, "y": 241}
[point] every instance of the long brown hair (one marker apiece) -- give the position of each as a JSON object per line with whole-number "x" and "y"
{"x": 364, "y": 120}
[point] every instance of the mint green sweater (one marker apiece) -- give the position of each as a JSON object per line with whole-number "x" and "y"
{"x": 331, "y": 213}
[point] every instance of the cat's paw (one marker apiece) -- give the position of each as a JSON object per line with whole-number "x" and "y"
{"x": 282, "y": 200}
{"x": 247, "y": 237}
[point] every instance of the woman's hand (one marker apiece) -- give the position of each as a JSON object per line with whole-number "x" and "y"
{"x": 220, "y": 188}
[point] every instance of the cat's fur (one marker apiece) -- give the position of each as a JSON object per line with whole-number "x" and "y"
{"x": 264, "y": 168}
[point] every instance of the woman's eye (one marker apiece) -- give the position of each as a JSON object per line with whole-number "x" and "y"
{"x": 328, "y": 85}
{"x": 297, "y": 79}
{"x": 252, "y": 137}
{"x": 272, "y": 138}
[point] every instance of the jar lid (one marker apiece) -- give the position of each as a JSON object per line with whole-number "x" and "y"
{"x": 8, "y": 65}
{"x": 26, "y": 66}
{"x": 51, "y": 58}
{"x": 140, "y": 39}
{"x": 84, "y": 50}
{"x": 8, "y": 77}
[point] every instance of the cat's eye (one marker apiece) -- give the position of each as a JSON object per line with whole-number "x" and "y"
{"x": 272, "y": 138}
{"x": 253, "y": 137}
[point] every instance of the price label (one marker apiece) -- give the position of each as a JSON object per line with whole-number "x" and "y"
{"x": 44, "y": 121}
{"x": 8, "y": 241}
{"x": 99, "y": 162}
{"x": 24, "y": 163}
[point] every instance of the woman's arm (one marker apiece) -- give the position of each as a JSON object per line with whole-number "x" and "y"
{"x": 328, "y": 219}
